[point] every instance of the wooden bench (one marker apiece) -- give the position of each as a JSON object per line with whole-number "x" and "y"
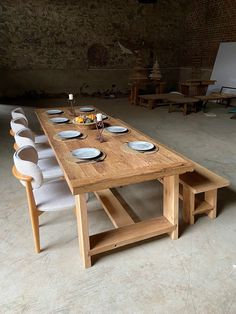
{"x": 198, "y": 191}
{"x": 216, "y": 97}
{"x": 192, "y": 185}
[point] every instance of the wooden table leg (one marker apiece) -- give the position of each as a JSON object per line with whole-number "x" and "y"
{"x": 140, "y": 101}
{"x": 132, "y": 95}
{"x": 171, "y": 202}
{"x": 136, "y": 93}
{"x": 150, "y": 104}
{"x": 83, "y": 230}
{"x": 185, "y": 109}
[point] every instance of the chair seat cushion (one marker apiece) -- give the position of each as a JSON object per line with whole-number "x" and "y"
{"x": 54, "y": 196}
{"x": 50, "y": 168}
{"x": 44, "y": 151}
{"x": 41, "y": 139}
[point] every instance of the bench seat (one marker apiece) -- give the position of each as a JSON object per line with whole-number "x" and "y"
{"x": 202, "y": 180}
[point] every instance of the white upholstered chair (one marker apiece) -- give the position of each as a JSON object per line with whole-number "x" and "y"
{"x": 25, "y": 137}
{"x": 18, "y": 124}
{"x": 49, "y": 166}
{"x": 19, "y": 113}
{"x": 41, "y": 196}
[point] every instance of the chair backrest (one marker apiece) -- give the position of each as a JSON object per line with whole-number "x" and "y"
{"x": 18, "y": 124}
{"x": 25, "y": 161}
{"x": 18, "y": 113}
{"x": 25, "y": 137}
{"x": 176, "y": 93}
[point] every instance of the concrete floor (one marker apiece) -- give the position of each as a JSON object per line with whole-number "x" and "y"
{"x": 195, "y": 274}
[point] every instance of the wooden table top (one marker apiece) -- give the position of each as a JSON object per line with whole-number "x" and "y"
{"x": 182, "y": 99}
{"x": 121, "y": 165}
{"x": 197, "y": 82}
{"x": 216, "y": 96}
{"x": 159, "y": 96}
{"x": 175, "y": 98}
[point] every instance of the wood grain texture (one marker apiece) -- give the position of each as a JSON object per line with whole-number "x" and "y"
{"x": 113, "y": 239}
{"x": 171, "y": 202}
{"x": 202, "y": 180}
{"x": 83, "y": 229}
{"x": 119, "y": 168}
{"x": 211, "y": 198}
{"x": 115, "y": 211}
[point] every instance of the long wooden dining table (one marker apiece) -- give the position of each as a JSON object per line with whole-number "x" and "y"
{"x": 121, "y": 167}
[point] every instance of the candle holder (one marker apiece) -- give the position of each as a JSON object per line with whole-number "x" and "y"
{"x": 100, "y": 128}
{"x": 72, "y": 105}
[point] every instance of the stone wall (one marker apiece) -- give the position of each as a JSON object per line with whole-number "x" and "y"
{"x": 51, "y": 47}
{"x": 54, "y": 47}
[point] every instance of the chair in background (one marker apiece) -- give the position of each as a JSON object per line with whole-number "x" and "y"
{"x": 41, "y": 196}
{"x": 19, "y": 113}
{"x": 25, "y": 137}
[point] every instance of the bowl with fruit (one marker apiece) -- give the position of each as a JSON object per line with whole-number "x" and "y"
{"x": 86, "y": 120}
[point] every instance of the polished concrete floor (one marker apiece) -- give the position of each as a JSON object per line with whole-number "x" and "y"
{"x": 194, "y": 274}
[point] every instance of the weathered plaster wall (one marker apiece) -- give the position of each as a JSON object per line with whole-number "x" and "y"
{"x": 58, "y": 46}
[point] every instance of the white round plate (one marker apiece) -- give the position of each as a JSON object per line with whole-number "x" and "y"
{"x": 54, "y": 111}
{"x": 86, "y": 109}
{"x": 86, "y": 153}
{"x": 116, "y": 129}
{"x": 69, "y": 134}
{"x": 140, "y": 145}
{"x": 59, "y": 120}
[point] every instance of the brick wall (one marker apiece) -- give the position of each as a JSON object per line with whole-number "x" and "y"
{"x": 207, "y": 24}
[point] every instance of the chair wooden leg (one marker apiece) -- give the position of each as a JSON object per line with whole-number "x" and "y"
{"x": 83, "y": 230}
{"x": 188, "y": 205}
{"x": 34, "y": 217}
{"x": 35, "y": 227}
{"x": 211, "y": 198}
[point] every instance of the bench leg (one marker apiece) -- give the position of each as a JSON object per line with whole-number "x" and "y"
{"x": 188, "y": 205}
{"x": 211, "y": 198}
